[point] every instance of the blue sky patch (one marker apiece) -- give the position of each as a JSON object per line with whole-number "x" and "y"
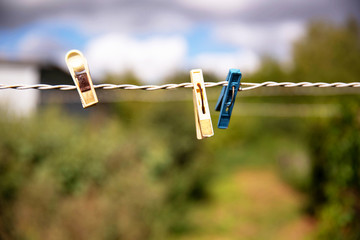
{"x": 202, "y": 40}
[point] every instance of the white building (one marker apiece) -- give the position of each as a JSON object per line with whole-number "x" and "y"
{"x": 19, "y": 102}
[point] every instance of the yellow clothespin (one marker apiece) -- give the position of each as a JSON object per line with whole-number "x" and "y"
{"x": 80, "y": 73}
{"x": 201, "y": 107}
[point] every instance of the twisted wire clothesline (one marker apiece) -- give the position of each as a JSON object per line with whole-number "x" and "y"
{"x": 183, "y": 85}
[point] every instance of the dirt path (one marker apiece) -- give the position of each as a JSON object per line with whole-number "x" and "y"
{"x": 252, "y": 204}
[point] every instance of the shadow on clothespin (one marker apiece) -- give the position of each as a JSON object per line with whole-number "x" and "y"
{"x": 201, "y": 107}
{"x": 80, "y": 73}
{"x": 226, "y": 101}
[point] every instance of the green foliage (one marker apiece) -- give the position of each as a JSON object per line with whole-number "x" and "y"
{"x": 335, "y": 191}
{"x": 63, "y": 177}
{"x": 270, "y": 70}
{"x": 331, "y": 53}
{"x": 328, "y": 53}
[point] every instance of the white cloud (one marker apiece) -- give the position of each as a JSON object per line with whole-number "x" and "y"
{"x": 275, "y": 39}
{"x": 270, "y": 26}
{"x": 220, "y": 63}
{"x": 124, "y": 21}
{"x": 151, "y": 60}
{"x": 220, "y": 7}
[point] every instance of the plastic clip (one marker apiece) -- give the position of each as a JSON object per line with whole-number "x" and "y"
{"x": 203, "y": 122}
{"x": 80, "y": 73}
{"x": 227, "y": 98}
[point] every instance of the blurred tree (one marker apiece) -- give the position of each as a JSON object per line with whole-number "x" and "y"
{"x": 328, "y": 53}
{"x": 270, "y": 70}
{"x": 126, "y": 110}
{"x": 335, "y": 188}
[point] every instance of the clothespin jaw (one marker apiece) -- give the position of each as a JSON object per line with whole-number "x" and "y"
{"x": 80, "y": 73}
{"x": 226, "y": 101}
{"x": 203, "y": 122}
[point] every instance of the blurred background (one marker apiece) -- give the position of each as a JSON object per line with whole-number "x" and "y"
{"x": 131, "y": 167}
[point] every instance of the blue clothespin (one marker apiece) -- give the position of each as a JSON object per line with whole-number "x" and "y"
{"x": 227, "y": 98}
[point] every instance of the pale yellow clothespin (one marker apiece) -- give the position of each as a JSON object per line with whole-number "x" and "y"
{"x": 201, "y": 107}
{"x": 80, "y": 73}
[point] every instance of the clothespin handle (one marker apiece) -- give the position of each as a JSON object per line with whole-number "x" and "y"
{"x": 226, "y": 101}
{"x": 80, "y": 73}
{"x": 203, "y": 122}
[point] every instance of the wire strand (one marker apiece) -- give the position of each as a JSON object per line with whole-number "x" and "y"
{"x": 250, "y": 86}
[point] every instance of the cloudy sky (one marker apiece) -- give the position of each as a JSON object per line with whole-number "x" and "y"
{"x": 154, "y": 38}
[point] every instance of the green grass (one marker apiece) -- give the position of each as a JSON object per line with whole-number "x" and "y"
{"x": 251, "y": 203}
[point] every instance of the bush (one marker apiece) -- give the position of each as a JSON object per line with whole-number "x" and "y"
{"x": 66, "y": 177}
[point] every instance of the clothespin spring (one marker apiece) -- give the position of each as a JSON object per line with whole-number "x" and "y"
{"x": 232, "y": 98}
